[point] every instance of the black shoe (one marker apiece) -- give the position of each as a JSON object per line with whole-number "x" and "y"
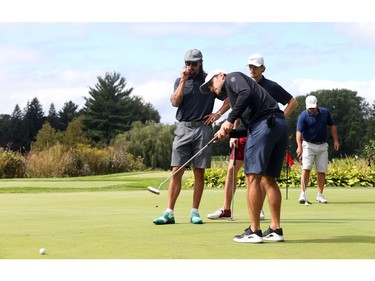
{"x": 249, "y": 236}
{"x": 273, "y": 235}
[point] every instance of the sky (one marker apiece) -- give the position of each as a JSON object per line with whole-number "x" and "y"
{"x": 58, "y": 61}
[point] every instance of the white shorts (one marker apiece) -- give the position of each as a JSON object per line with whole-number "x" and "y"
{"x": 315, "y": 153}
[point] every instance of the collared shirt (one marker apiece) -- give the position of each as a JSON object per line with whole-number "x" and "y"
{"x": 248, "y": 100}
{"x": 314, "y": 127}
{"x": 195, "y": 105}
{"x": 275, "y": 90}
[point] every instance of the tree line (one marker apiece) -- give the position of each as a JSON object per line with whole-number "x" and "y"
{"x": 108, "y": 111}
{"x": 111, "y": 115}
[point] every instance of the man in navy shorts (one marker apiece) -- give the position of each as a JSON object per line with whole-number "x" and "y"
{"x": 267, "y": 140}
{"x": 256, "y": 69}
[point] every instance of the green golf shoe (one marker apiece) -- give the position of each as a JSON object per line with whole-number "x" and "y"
{"x": 166, "y": 218}
{"x": 195, "y": 218}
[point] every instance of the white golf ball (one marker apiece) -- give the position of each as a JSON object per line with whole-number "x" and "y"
{"x": 42, "y": 251}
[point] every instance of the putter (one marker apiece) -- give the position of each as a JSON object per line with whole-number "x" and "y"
{"x": 233, "y": 181}
{"x": 157, "y": 190}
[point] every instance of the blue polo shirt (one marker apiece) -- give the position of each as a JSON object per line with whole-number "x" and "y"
{"x": 314, "y": 128}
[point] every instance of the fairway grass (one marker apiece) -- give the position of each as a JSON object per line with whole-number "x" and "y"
{"x": 118, "y": 225}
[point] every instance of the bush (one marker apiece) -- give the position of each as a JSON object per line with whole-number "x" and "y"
{"x": 345, "y": 172}
{"x": 12, "y": 165}
{"x": 82, "y": 160}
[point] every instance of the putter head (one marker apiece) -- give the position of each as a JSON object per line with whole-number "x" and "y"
{"x": 153, "y": 190}
{"x": 231, "y": 219}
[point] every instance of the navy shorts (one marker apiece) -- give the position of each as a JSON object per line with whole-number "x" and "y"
{"x": 266, "y": 147}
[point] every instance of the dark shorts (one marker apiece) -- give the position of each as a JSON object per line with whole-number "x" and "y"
{"x": 188, "y": 140}
{"x": 266, "y": 147}
{"x": 240, "y": 150}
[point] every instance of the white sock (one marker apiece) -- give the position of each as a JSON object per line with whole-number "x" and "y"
{"x": 170, "y": 211}
{"x": 194, "y": 210}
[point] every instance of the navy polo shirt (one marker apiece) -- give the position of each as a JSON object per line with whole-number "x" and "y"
{"x": 275, "y": 90}
{"x": 314, "y": 128}
{"x": 195, "y": 105}
{"x": 249, "y": 101}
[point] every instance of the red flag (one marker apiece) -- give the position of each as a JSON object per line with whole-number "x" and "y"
{"x": 289, "y": 159}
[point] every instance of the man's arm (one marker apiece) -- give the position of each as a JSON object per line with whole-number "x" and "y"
{"x": 212, "y": 117}
{"x": 177, "y": 96}
{"x": 299, "y": 145}
{"x": 336, "y": 143}
{"x": 290, "y": 107}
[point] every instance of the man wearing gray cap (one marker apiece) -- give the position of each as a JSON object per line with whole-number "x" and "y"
{"x": 193, "y": 131}
{"x": 267, "y": 139}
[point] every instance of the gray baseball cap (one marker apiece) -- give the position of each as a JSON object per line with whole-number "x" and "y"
{"x": 193, "y": 55}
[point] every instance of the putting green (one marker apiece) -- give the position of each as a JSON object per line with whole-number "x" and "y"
{"x": 118, "y": 225}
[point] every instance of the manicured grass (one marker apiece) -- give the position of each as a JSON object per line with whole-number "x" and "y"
{"x": 110, "y": 217}
{"x": 118, "y": 223}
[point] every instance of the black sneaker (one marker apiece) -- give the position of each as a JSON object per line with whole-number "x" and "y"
{"x": 273, "y": 235}
{"x": 249, "y": 236}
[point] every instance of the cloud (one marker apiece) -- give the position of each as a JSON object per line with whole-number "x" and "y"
{"x": 365, "y": 89}
{"x": 158, "y": 93}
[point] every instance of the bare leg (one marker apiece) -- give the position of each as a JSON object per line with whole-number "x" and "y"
{"x": 229, "y": 182}
{"x": 274, "y": 200}
{"x": 305, "y": 179}
{"x": 321, "y": 182}
{"x": 254, "y": 200}
{"x": 198, "y": 186}
{"x": 263, "y": 189}
{"x": 174, "y": 187}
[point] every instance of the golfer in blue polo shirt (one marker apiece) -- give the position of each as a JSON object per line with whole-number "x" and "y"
{"x": 312, "y": 146}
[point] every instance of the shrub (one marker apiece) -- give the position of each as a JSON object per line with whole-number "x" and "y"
{"x": 82, "y": 160}
{"x": 345, "y": 172}
{"x": 12, "y": 165}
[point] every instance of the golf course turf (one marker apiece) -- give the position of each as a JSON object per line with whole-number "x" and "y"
{"x": 111, "y": 218}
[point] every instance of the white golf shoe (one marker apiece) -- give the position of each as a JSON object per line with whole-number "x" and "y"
{"x": 321, "y": 199}
{"x": 302, "y": 198}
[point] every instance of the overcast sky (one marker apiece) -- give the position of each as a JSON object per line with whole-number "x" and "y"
{"x": 57, "y": 62}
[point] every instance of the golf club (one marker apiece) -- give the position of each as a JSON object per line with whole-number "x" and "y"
{"x": 157, "y": 190}
{"x": 233, "y": 181}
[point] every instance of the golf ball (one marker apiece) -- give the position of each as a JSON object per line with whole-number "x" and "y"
{"x": 42, "y": 251}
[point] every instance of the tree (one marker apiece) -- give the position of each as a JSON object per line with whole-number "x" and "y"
{"x": 52, "y": 117}
{"x": 74, "y": 134}
{"x": 46, "y": 138}
{"x": 32, "y": 122}
{"x": 150, "y": 141}
{"x": 16, "y": 130}
{"x": 66, "y": 115}
{"x": 370, "y": 120}
{"x": 5, "y": 127}
{"x": 110, "y": 110}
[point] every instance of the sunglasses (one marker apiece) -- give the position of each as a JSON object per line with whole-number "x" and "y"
{"x": 192, "y": 63}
